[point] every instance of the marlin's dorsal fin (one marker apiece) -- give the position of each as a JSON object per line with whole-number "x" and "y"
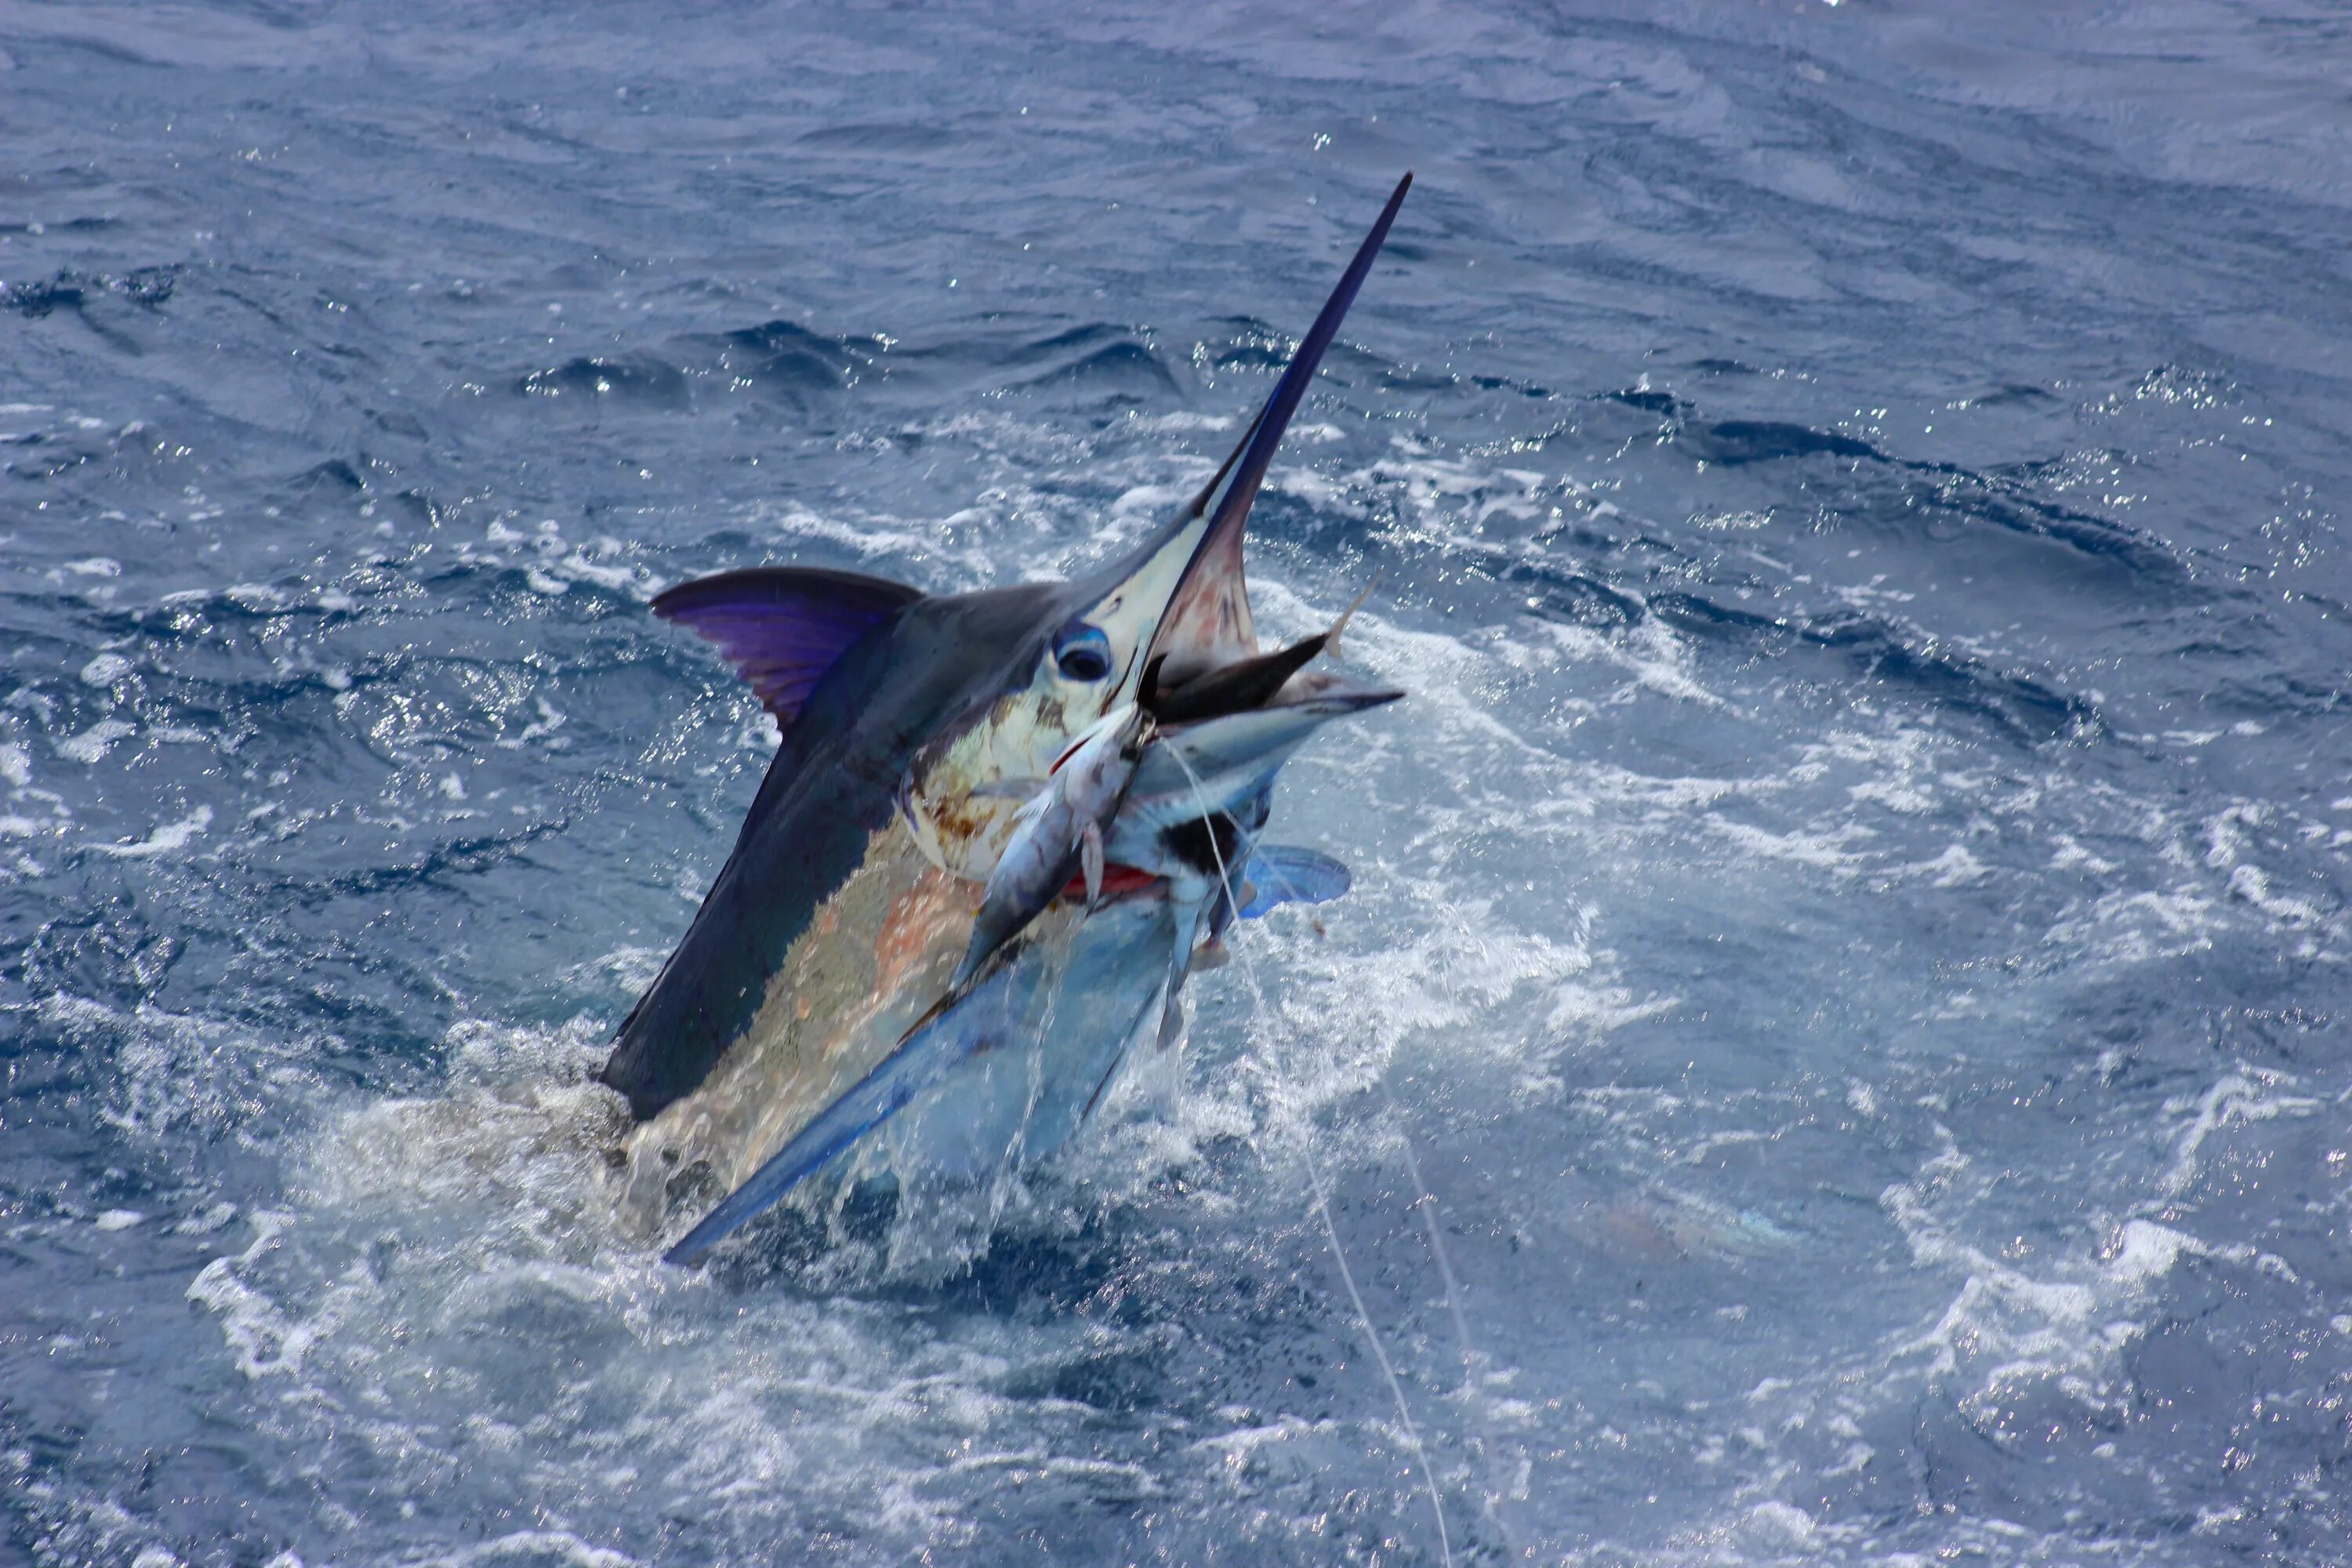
{"x": 782, "y": 626}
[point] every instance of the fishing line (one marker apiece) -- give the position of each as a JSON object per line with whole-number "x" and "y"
{"x": 1477, "y": 1406}
{"x": 1428, "y": 1206}
{"x": 1322, "y": 1197}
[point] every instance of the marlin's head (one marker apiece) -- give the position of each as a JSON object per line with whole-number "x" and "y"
{"x": 1173, "y": 615}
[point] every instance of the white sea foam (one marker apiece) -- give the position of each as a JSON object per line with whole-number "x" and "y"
{"x": 265, "y": 1342}
{"x": 1652, "y": 655}
{"x": 90, "y": 745}
{"x": 105, "y": 670}
{"x": 534, "y": 1546}
{"x": 169, "y": 838}
{"x": 2065, "y": 1325}
{"x": 2237, "y": 1099}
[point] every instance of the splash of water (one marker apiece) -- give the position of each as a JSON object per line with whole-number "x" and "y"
{"x": 1322, "y": 1206}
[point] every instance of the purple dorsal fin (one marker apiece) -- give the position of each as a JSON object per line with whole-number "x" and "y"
{"x": 782, "y": 626}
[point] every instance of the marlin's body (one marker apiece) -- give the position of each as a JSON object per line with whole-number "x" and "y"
{"x": 889, "y": 963}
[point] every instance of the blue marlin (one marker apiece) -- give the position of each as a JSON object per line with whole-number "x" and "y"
{"x": 869, "y": 984}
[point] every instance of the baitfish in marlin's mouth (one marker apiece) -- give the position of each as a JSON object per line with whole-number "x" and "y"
{"x": 1000, "y": 830}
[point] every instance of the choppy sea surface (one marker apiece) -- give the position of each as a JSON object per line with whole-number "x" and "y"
{"x": 1837, "y": 1052}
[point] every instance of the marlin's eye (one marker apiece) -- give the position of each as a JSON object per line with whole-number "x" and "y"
{"x": 1082, "y": 652}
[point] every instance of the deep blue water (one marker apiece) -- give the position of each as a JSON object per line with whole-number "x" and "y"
{"x": 1850, "y": 932}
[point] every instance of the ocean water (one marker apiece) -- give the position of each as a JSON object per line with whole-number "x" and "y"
{"x": 1837, "y": 1052}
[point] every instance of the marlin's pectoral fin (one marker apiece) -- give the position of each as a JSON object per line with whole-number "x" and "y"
{"x": 783, "y": 626}
{"x": 927, "y": 1054}
{"x": 1278, "y": 874}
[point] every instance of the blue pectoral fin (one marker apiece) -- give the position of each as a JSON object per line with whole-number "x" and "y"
{"x": 928, "y": 1053}
{"x": 1278, "y": 874}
